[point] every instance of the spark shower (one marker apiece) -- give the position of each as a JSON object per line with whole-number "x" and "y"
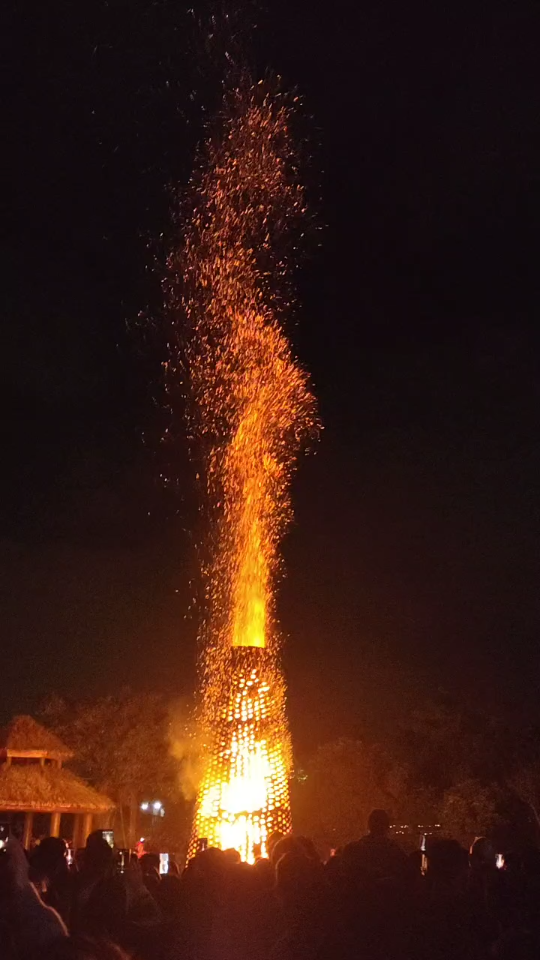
{"x": 250, "y": 411}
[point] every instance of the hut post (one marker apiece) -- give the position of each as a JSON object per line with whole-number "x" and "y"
{"x": 86, "y": 828}
{"x": 55, "y": 824}
{"x": 28, "y": 825}
{"x": 77, "y": 840}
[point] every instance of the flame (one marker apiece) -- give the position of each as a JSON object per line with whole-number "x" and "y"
{"x": 244, "y": 793}
{"x": 250, "y": 408}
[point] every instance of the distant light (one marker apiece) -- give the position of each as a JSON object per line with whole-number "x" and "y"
{"x": 157, "y": 805}
{"x": 145, "y": 805}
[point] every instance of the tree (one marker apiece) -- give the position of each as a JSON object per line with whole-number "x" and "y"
{"x": 120, "y": 745}
{"x": 470, "y": 809}
{"x": 525, "y": 783}
{"x": 341, "y": 785}
{"x": 436, "y": 746}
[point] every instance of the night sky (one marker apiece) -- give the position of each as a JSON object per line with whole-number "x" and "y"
{"x": 413, "y": 562}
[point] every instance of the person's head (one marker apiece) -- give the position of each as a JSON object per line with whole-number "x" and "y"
{"x": 264, "y": 872}
{"x": 152, "y": 881}
{"x": 309, "y": 848}
{"x": 378, "y": 823}
{"x": 287, "y": 844}
{"x": 85, "y": 948}
{"x": 78, "y": 859}
{"x": 150, "y": 863}
{"x": 98, "y": 854}
{"x": 482, "y": 855}
{"x": 447, "y": 861}
{"x": 50, "y": 858}
{"x": 274, "y": 838}
{"x": 232, "y": 856}
{"x": 13, "y": 870}
{"x": 299, "y": 880}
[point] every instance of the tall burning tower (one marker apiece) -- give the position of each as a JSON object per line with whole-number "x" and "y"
{"x": 250, "y": 411}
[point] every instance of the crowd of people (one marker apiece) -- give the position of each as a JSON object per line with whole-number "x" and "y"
{"x": 370, "y": 901}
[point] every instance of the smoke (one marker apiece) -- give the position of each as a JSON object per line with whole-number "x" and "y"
{"x": 186, "y": 746}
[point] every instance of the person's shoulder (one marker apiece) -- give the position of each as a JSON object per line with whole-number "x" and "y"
{"x": 356, "y": 850}
{"x": 398, "y": 851}
{"x": 355, "y": 845}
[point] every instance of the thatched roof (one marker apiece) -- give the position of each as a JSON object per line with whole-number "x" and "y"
{"x": 24, "y": 737}
{"x": 47, "y": 789}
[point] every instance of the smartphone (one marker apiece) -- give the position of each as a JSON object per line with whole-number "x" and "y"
{"x": 202, "y": 844}
{"x": 124, "y": 856}
{"x": 4, "y": 835}
{"x": 163, "y": 863}
{"x": 423, "y": 862}
{"x": 499, "y": 861}
{"x": 108, "y": 835}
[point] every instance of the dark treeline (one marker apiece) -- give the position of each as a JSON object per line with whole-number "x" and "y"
{"x": 470, "y": 771}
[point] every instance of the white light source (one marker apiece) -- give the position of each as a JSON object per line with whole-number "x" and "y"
{"x": 144, "y": 806}
{"x": 157, "y": 805}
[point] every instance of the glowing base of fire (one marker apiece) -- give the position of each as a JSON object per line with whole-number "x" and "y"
{"x": 244, "y": 796}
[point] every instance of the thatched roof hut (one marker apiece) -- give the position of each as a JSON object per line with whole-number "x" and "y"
{"x": 48, "y": 789}
{"x": 32, "y": 780}
{"x": 24, "y": 737}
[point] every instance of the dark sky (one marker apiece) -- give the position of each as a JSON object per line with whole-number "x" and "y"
{"x": 414, "y": 560}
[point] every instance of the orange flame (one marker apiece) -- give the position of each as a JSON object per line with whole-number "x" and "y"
{"x": 251, "y": 409}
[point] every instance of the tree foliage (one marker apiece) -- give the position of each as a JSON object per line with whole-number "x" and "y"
{"x": 336, "y": 792}
{"x": 471, "y": 809}
{"x": 120, "y": 743}
{"x": 448, "y": 763}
